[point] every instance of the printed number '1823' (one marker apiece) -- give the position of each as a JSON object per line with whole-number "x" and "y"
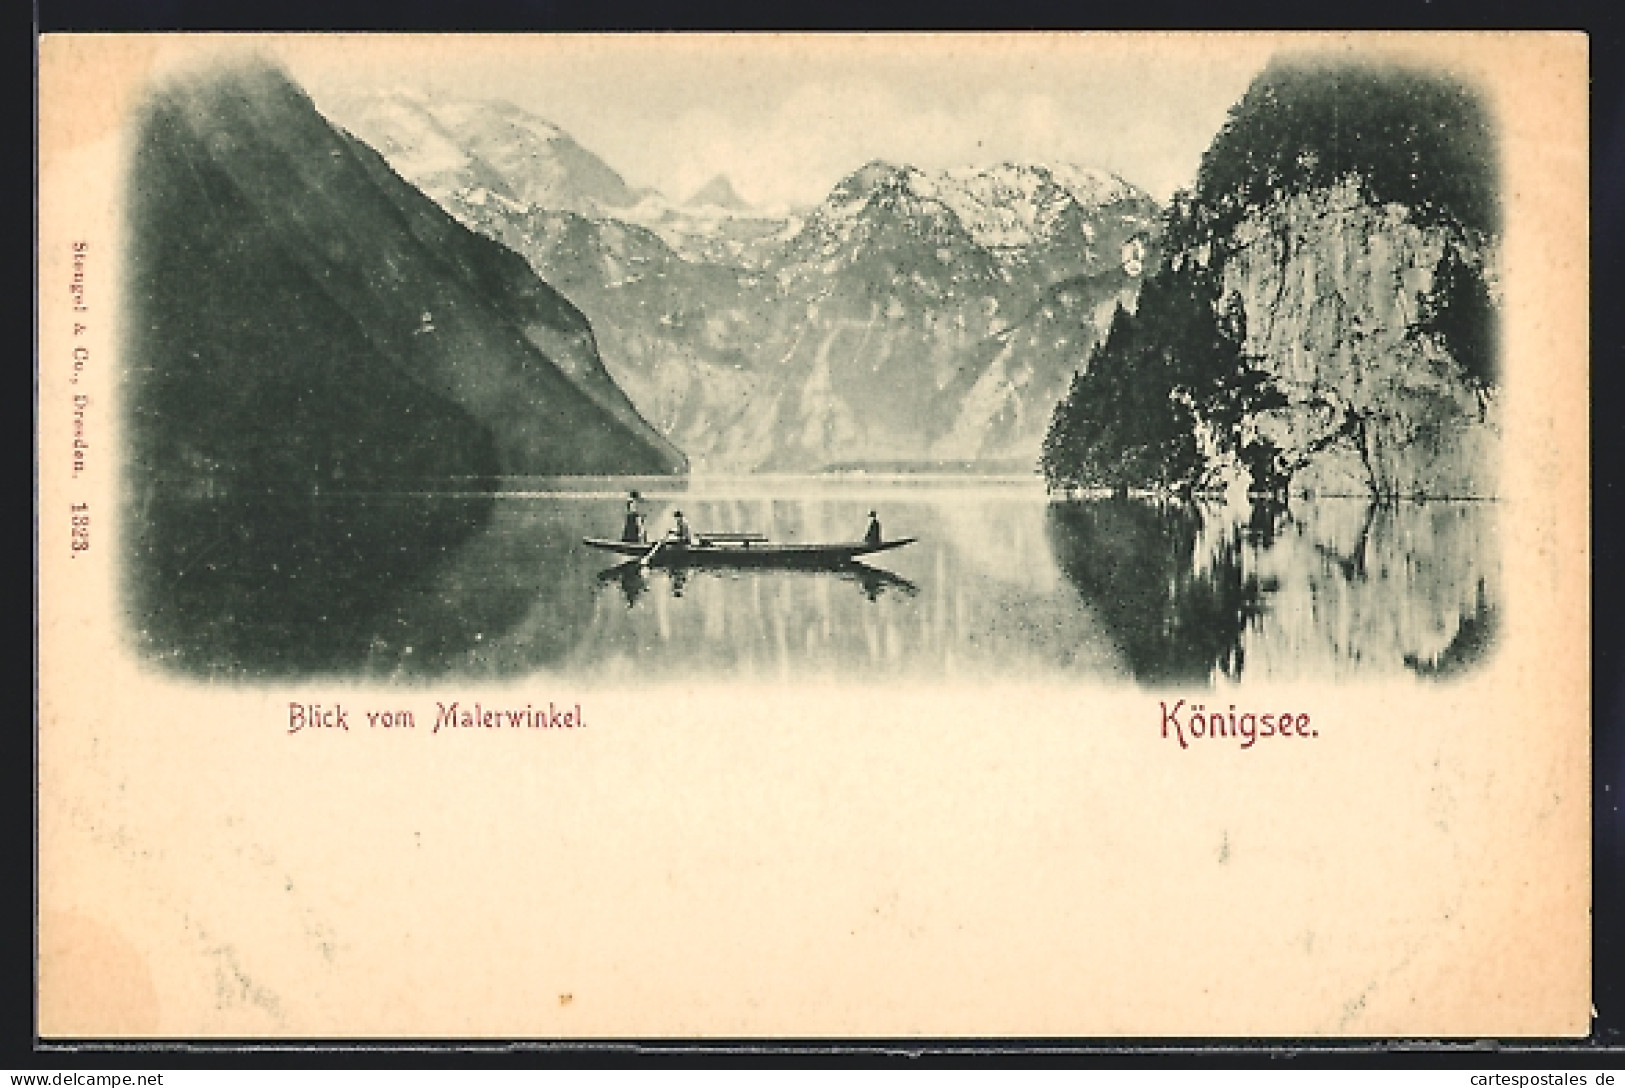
{"x": 81, "y": 526}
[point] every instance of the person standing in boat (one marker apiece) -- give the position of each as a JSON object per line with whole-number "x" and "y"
{"x": 872, "y": 535}
{"x": 680, "y": 532}
{"x": 633, "y": 532}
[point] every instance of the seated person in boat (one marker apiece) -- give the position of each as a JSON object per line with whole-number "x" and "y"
{"x": 681, "y": 532}
{"x": 872, "y": 536}
{"x": 632, "y": 532}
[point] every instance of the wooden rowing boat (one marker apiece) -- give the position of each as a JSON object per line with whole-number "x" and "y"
{"x": 743, "y": 549}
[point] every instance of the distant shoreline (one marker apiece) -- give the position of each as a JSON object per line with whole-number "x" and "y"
{"x": 1009, "y": 466}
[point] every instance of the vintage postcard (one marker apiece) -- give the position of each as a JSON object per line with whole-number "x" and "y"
{"x": 1075, "y": 535}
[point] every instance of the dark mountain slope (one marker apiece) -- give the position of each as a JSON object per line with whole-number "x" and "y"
{"x": 302, "y": 316}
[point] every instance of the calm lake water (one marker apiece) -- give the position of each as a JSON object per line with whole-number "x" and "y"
{"x": 1004, "y": 583}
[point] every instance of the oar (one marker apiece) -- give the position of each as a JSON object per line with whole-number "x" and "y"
{"x": 650, "y": 554}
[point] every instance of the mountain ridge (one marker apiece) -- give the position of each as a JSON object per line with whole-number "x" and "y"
{"x": 855, "y": 328}
{"x": 718, "y": 193}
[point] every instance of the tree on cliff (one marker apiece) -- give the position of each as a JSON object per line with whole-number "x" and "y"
{"x": 1459, "y": 315}
{"x": 1406, "y": 136}
{"x": 1122, "y": 422}
{"x": 1163, "y": 396}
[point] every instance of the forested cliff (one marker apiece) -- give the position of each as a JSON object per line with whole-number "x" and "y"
{"x": 1324, "y": 317}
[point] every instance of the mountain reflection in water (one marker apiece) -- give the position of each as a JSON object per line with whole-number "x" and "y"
{"x": 1326, "y": 589}
{"x": 1003, "y": 584}
{"x": 1177, "y": 620}
{"x": 282, "y": 585}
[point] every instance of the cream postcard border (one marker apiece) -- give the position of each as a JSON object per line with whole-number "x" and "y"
{"x": 819, "y": 861}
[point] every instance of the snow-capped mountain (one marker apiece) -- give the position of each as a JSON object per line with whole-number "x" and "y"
{"x": 1045, "y": 223}
{"x": 1004, "y": 208}
{"x": 495, "y": 154}
{"x": 446, "y": 148}
{"x": 946, "y": 312}
{"x": 908, "y": 316}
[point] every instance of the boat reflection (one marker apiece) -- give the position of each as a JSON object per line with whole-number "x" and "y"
{"x": 633, "y": 577}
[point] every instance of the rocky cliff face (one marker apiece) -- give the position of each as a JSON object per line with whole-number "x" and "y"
{"x": 1335, "y": 289}
{"x": 910, "y": 316}
{"x": 303, "y": 318}
{"x": 1324, "y": 317}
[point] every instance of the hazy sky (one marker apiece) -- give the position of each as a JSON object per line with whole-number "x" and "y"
{"x": 785, "y": 117}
